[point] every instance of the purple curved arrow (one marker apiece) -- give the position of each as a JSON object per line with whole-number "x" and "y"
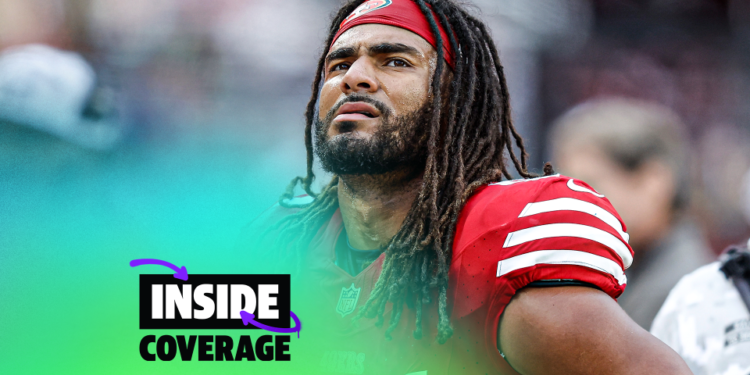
{"x": 180, "y": 272}
{"x": 248, "y": 318}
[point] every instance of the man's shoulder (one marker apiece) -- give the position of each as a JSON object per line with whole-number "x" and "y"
{"x": 496, "y": 206}
{"x": 516, "y": 232}
{"x": 541, "y": 188}
{"x": 554, "y": 229}
{"x": 497, "y": 202}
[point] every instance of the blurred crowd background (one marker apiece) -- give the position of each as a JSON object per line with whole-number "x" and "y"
{"x": 202, "y": 105}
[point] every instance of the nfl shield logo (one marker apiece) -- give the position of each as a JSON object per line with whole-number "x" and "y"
{"x": 347, "y": 300}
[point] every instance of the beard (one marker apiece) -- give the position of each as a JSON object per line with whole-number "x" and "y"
{"x": 399, "y": 143}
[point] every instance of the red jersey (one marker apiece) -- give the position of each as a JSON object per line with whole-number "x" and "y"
{"x": 509, "y": 235}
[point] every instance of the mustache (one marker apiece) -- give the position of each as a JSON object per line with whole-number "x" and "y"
{"x": 384, "y": 110}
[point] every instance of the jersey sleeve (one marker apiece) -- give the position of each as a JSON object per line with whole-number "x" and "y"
{"x": 516, "y": 232}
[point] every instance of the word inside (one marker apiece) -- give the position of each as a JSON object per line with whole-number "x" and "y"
{"x": 213, "y": 301}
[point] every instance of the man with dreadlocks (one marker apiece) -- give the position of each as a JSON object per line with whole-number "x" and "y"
{"x": 462, "y": 272}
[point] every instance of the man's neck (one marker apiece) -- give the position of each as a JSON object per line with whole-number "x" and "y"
{"x": 373, "y": 207}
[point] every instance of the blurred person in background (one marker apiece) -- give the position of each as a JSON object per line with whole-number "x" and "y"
{"x": 55, "y": 93}
{"x": 634, "y": 153}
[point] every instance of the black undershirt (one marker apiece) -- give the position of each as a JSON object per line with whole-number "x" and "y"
{"x": 351, "y": 260}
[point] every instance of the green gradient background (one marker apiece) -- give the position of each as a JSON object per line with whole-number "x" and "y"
{"x": 70, "y": 222}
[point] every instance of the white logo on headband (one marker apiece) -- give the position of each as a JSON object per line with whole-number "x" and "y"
{"x": 366, "y": 7}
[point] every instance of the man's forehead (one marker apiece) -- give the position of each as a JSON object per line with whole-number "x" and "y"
{"x": 369, "y": 35}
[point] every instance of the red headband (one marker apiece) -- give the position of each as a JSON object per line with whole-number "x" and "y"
{"x": 400, "y": 13}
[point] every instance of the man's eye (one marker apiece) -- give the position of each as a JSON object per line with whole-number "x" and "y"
{"x": 397, "y": 63}
{"x": 340, "y": 66}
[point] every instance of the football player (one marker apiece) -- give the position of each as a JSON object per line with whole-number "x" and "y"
{"x": 423, "y": 255}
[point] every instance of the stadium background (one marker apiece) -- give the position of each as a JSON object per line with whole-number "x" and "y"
{"x": 209, "y": 97}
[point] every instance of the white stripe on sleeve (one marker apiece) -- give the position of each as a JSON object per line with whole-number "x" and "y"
{"x": 511, "y": 182}
{"x": 571, "y": 230}
{"x": 562, "y": 257}
{"x": 572, "y": 204}
{"x": 572, "y": 186}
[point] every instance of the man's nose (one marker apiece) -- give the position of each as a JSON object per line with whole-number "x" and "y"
{"x": 360, "y": 77}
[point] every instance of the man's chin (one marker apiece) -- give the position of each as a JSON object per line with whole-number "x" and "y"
{"x": 358, "y": 170}
{"x": 390, "y": 171}
{"x": 358, "y": 129}
{"x": 356, "y": 134}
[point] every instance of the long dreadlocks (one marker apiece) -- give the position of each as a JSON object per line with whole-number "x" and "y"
{"x": 466, "y": 155}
